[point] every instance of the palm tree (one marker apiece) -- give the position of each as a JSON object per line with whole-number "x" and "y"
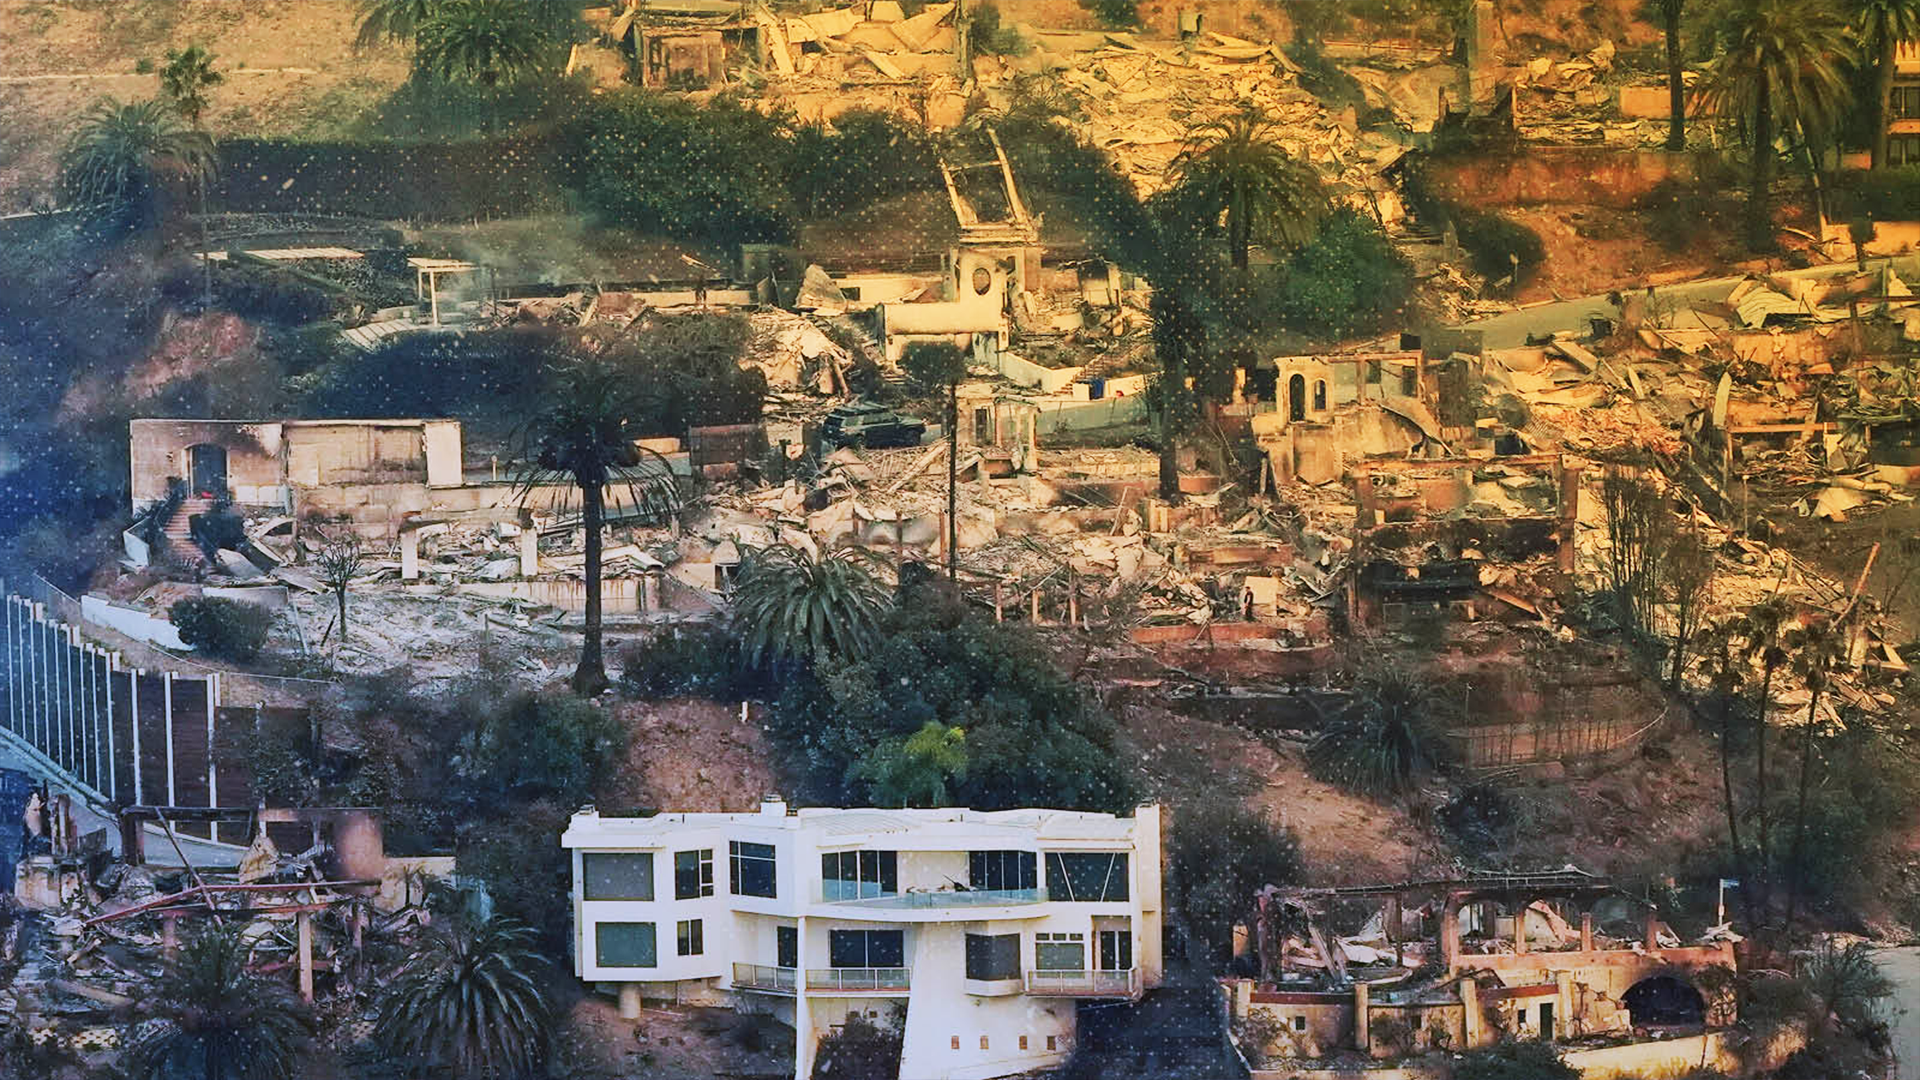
{"x": 1818, "y": 649}
{"x": 1232, "y": 165}
{"x": 793, "y": 607}
{"x": 1884, "y": 26}
{"x": 223, "y": 1022}
{"x": 1669, "y": 13}
{"x": 943, "y": 364}
{"x": 121, "y": 152}
{"x": 185, "y": 80}
{"x": 391, "y": 20}
{"x": 1761, "y": 627}
{"x": 1779, "y": 72}
{"x": 487, "y": 42}
{"x": 470, "y": 1002}
{"x": 585, "y": 432}
{"x": 1726, "y": 668}
{"x": 1388, "y": 735}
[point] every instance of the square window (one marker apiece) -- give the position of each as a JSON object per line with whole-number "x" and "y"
{"x": 1053, "y": 1042}
{"x": 1060, "y": 952}
{"x": 692, "y": 874}
{"x": 992, "y": 957}
{"x": 866, "y": 949}
{"x": 983, "y": 1042}
{"x": 1299, "y": 1023}
{"x": 624, "y": 945}
{"x": 616, "y": 875}
{"x": 751, "y": 867}
{"x": 691, "y": 940}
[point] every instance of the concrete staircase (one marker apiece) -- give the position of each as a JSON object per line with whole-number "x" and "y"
{"x": 179, "y": 532}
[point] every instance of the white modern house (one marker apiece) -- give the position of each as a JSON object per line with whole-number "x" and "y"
{"x": 987, "y": 926}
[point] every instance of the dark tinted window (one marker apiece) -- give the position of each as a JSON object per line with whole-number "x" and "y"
{"x": 627, "y": 944}
{"x": 752, "y": 869}
{"x": 866, "y": 949}
{"x": 993, "y": 956}
{"x": 1085, "y": 877}
{"x": 616, "y": 875}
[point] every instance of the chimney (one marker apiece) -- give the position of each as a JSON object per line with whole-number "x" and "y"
{"x": 773, "y": 806}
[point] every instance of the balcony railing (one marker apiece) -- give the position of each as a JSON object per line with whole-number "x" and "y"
{"x": 779, "y": 980}
{"x": 1084, "y": 983}
{"x": 945, "y": 898}
{"x": 856, "y": 978}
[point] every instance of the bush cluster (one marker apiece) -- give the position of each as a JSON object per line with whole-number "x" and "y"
{"x": 223, "y": 628}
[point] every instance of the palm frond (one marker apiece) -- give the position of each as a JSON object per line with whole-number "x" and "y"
{"x": 470, "y": 1001}
{"x": 120, "y": 150}
{"x": 792, "y": 606}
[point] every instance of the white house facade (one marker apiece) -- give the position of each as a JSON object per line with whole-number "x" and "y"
{"x": 986, "y": 926}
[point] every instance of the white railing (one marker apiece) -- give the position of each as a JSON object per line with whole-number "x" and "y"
{"x": 1084, "y": 983}
{"x": 765, "y": 977}
{"x": 856, "y": 978}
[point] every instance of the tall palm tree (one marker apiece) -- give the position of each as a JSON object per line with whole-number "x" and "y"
{"x": 223, "y": 1022}
{"x": 1884, "y": 26}
{"x": 793, "y": 607}
{"x": 1818, "y": 649}
{"x": 1233, "y": 165}
{"x": 1762, "y": 626}
{"x": 585, "y": 432}
{"x": 185, "y": 80}
{"x": 1726, "y": 668}
{"x": 1779, "y": 72}
{"x": 470, "y": 1002}
{"x": 486, "y": 42}
{"x": 392, "y": 20}
{"x": 121, "y": 152}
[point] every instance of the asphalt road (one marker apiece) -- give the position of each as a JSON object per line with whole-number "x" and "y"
{"x": 1511, "y": 329}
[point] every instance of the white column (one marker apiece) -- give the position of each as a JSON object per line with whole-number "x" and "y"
{"x": 133, "y": 710}
{"x": 804, "y": 1041}
{"x": 113, "y": 759}
{"x": 213, "y": 793}
{"x": 167, "y": 678}
{"x": 409, "y": 554}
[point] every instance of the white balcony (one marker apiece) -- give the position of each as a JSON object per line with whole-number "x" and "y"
{"x": 765, "y": 977}
{"x": 1094, "y": 984}
{"x": 858, "y": 980}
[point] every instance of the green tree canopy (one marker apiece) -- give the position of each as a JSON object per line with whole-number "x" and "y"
{"x": 186, "y": 78}
{"x": 790, "y": 606}
{"x": 1233, "y": 169}
{"x": 487, "y": 42}
{"x": 122, "y": 153}
{"x": 470, "y": 1002}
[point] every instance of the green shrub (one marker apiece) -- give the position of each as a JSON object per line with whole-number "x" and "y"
{"x": 1219, "y": 854}
{"x": 662, "y": 164}
{"x": 548, "y": 744}
{"x": 1514, "y": 1060}
{"x": 222, "y": 628}
{"x": 703, "y": 661}
{"x": 1032, "y": 736}
{"x": 1881, "y": 194}
{"x": 868, "y": 155}
{"x": 991, "y": 37}
{"x": 1349, "y": 280}
{"x": 1116, "y": 13}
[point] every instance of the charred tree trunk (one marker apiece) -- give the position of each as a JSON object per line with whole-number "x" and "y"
{"x": 1676, "y": 83}
{"x": 591, "y": 676}
{"x": 1883, "y": 76}
{"x": 1759, "y": 209}
{"x": 953, "y": 481}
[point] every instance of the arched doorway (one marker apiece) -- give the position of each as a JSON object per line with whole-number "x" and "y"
{"x": 1297, "y": 397}
{"x": 207, "y": 469}
{"x": 1665, "y": 1001}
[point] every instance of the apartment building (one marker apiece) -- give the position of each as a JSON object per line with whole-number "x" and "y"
{"x": 989, "y": 927}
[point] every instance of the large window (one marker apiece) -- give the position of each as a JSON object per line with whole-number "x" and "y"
{"x": 624, "y": 944}
{"x": 855, "y": 875}
{"x": 752, "y": 869}
{"x": 1060, "y": 952}
{"x": 1906, "y": 102}
{"x": 616, "y": 875}
{"x": 1087, "y": 877}
{"x": 689, "y": 938}
{"x": 692, "y": 874}
{"x": 866, "y": 949}
{"x": 1002, "y": 870}
{"x": 993, "y": 956}
{"x": 1903, "y": 150}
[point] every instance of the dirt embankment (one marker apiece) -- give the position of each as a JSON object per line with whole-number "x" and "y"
{"x": 692, "y": 754}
